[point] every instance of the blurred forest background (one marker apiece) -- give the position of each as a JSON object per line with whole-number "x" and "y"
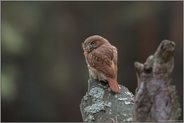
{"x": 44, "y": 74}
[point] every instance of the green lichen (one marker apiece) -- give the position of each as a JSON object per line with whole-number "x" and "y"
{"x": 127, "y": 102}
{"x": 89, "y": 118}
{"x": 96, "y": 92}
{"x": 97, "y": 107}
{"x": 108, "y": 104}
{"x": 129, "y": 94}
{"x": 129, "y": 119}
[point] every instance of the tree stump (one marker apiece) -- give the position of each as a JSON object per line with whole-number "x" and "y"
{"x": 155, "y": 98}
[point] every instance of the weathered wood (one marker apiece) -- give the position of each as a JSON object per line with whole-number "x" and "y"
{"x": 155, "y": 98}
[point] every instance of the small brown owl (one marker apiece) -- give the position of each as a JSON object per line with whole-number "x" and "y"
{"x": 101, "y": 58}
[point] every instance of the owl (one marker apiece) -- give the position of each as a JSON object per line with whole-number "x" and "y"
{"x": 101, "y": 59}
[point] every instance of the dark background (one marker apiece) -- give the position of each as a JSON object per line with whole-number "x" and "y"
{"x": 44, "y": 74}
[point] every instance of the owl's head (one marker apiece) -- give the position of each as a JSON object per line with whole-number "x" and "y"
{"x": 94, "y": 42}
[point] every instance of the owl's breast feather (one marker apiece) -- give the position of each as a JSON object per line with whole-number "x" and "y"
{"x": 96, "y": 74}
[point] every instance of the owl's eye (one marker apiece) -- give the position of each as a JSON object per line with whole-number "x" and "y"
{"x": 92, "y": 43}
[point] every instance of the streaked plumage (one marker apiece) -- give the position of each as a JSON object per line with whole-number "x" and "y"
{"x": 101, "y": 58}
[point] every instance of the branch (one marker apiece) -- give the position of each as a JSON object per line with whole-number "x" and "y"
{"x": 155, "y": 98}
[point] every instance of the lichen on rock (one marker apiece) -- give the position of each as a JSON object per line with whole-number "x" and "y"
{"x": 96, "y": 92}
{"x": 102, "y": 105}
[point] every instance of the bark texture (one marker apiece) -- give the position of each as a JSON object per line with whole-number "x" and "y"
{"x": 155, "y": 98}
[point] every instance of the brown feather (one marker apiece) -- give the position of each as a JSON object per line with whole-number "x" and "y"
{"x": 102, "y": 60}
{"x": 113, "y": 85}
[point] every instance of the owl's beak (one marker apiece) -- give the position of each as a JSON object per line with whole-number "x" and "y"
{"x": 85, "y": 48}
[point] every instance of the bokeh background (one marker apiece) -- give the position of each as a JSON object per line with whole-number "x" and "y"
{"x": 44, "y": 74}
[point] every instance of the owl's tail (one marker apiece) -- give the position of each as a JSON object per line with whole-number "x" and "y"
{"x": 113, "y": 85}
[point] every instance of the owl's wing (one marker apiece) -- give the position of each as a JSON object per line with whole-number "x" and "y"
{"x": 103, "y": 59}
